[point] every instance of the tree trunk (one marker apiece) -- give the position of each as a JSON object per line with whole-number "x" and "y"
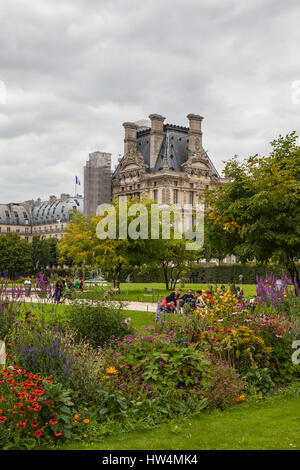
{"x": 292, "y": 269}
{"x": 165, "y": 270}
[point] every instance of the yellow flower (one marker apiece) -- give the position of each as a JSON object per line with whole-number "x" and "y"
{"x": 111, "y": 370}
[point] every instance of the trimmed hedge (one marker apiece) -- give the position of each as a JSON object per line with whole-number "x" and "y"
{"x": 206, "y": 274}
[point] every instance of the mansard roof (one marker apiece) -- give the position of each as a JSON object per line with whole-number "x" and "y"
{"x": 58, "y": 211}
{"x": 174, "y": 147}
{"x": 45, "y": 212}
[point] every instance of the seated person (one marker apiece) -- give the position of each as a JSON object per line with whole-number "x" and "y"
{"x": 107, "y": 293}
{"x": 239, "y": 293}
{"x": 199, "y": 298}
{"x": 187, "y": 296}
{"x": 172, "y": 301}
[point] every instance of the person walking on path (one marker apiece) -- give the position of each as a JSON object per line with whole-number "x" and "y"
{"x": 58, "y": 291}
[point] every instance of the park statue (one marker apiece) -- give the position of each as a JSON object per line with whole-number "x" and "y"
{"x": 95, "y": 278}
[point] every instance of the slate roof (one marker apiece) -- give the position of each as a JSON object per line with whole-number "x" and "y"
{"x": 45, "y": 213}
{"x": 58, "y": 210}
{"x": 14, "y": 214}
{"x": 174, "y": 147}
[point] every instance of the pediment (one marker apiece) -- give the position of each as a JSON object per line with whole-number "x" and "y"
{"x": 197, "y": 165}
{"x": 133, "y": 161}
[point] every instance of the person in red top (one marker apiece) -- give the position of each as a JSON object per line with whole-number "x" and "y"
{"x": 172, "y": 301}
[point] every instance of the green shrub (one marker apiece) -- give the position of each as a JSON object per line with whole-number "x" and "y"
{"x": 98, "y": 323}
{"x": 260, "y": 379}
{"x": 225, "y": 386}
{"x": 47, "y": 350}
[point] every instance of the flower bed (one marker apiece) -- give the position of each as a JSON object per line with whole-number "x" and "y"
{"x": 58, "y": 384}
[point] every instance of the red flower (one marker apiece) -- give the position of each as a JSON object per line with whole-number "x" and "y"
{"x": 57, "y": 433}
{"x": 38, "y": 392}
{"x": 10, "y": 381}
{"x": 34, "y": 424}
{"x": 22, "y": 424}
{"x": 53, "y": 421}
{"x": 35, "y": 407}
{"x": 2, "y": 419}
{"x": 18, "y": 405}
{"x": 1, "y": 398}
{"x": 38, "y": 433}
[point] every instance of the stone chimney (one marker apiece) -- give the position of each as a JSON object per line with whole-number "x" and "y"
{"x": 28, "y": 205}
{"x": 195, "y": 132}
{"x": 52, "y": 199}
{"x": 130, "y": 140}
{"x": 64, "y": 196}
{"x": 156, "y": 136}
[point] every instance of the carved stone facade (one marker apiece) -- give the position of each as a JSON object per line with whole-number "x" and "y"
{"x": 165, "y": 162}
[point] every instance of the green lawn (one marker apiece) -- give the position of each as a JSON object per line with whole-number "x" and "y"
{"x": 139, "y": 319}
{"x": 135, "y": 291}
{"x": 272, "y": 424}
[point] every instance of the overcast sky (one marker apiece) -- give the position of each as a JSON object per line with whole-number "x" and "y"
{"x": 75, "y": 70}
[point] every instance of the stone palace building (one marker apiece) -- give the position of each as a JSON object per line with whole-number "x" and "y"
{"x": 165, "y": 162}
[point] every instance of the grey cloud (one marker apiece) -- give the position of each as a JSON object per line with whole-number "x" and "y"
{"x": 76, "y": 70}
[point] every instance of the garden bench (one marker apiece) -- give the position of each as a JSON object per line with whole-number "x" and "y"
{"x": 150, "y": 292}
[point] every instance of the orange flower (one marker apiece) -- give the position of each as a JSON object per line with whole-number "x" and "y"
{"x": 86, "y": 421}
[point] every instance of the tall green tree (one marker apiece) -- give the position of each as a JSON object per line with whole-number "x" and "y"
{"x": 15, "y": 255}
{"x": 256, "y": 215}
{"x": 82, "y": 244}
